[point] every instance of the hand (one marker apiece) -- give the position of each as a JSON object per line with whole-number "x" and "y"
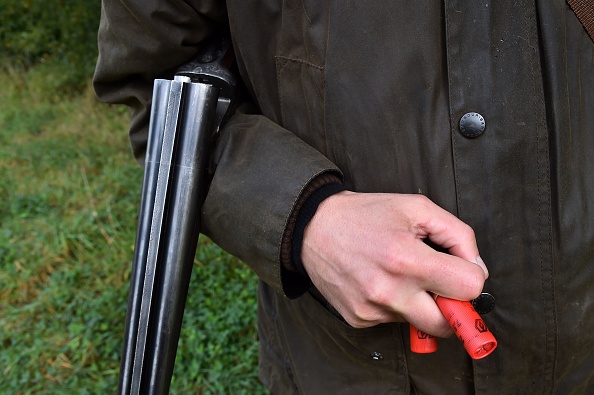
{"x": 365, "y": 253}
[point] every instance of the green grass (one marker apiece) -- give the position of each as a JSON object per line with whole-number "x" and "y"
{"x": 69, "y": 193}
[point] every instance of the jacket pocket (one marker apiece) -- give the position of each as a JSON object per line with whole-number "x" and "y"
{"x": 301, "y": 93}
{"x": 329, "y": 356}
{"x": 300, "y": 60}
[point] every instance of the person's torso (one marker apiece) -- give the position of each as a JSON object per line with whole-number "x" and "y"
{"x": 380, "y": 88}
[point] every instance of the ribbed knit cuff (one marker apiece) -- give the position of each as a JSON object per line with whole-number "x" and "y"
{"x": 295, "y": 278}
{"x": 306, "y": 213}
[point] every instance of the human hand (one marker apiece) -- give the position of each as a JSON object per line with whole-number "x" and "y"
{"x": 365, "y": 253}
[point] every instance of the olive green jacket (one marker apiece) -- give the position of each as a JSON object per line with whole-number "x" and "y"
{"x": 374, "y": 92}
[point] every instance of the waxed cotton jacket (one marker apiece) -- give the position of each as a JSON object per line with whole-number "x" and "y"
{"x": 374, "y": 92}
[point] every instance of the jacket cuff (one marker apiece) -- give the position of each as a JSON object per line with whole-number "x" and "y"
{"x": 295, "y": 280}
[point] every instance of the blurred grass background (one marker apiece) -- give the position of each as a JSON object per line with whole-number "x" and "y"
{"x": 69, "y": 195}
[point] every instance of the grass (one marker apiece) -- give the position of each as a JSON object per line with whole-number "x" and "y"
{"x": 69, "y": 193}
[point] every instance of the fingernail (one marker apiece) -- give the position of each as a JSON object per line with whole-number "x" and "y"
{"x": 481, "y": 263}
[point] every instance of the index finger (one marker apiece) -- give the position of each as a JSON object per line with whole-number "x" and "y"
{"x": 448, "y": 231}
{"x": 448, "y": 275}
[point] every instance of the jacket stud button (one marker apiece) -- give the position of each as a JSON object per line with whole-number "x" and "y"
{"x": 484, "y": 303}
{"x": 472, "y": 125}
{"x": 376, "y": 356}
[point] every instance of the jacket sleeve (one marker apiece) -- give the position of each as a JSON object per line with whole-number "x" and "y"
{"x": 139, "y": 41}
{"x": 261, "y": 169}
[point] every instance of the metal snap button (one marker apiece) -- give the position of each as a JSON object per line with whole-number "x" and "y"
{"x": 472, "y": 125}
{"x": 484, "y": 304}
{"x": 376, "y": 356}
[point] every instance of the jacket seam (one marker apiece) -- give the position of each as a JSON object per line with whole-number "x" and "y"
{"x": 542, "y": 170}
{"x": 305, "y": 62}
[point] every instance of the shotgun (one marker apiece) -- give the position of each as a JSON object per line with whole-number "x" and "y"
{"x": 185, "y": 118}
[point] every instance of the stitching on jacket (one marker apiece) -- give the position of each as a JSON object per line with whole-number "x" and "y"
{"x": 288, "y": 59}
{"x": 452, "y": 119}
{"x": 281, "y": 63}
{"x": 541, "y": 144}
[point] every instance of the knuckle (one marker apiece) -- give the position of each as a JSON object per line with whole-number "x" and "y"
{"x": 394, "y": 264}
{"x": 357, "y": 320}
{"x": 468, "y": 232}
{"x": 377, "y": 297}
{"x": 364, "y": 316}
{"x": 357, "y": 324}
{"x": 396, "y": 260}
{"x": 422, "y": 202}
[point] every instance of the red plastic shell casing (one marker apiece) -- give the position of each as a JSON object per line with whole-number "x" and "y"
{"x": 421, "y": 342}
{"x": 467, "y": 324}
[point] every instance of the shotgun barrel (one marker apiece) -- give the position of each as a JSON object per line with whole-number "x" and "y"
{"x": 186, "y": 115}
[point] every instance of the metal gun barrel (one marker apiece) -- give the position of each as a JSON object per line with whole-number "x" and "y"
{"x": 149, "y": 185}
{"x": 186, "y": 115}
{"x": 174, "y": 188}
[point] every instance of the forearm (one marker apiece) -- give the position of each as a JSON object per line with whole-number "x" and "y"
{"x": 261, "y": 172}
